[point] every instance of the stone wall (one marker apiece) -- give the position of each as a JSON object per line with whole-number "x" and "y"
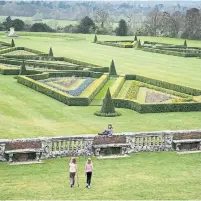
{"x": 82, "y": 145}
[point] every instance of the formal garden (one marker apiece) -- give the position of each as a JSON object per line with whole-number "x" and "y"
{"x": 55, "y": 99}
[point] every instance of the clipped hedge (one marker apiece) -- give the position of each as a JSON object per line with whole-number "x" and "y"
{"x": 51, "y": 92}
{"x": 39, "y": 64}
{"x": 113, "y": 43}
{"x": 116, "y": 87}
{"x": 156, "y": 108}
{"x": 13, "y": 71}
{"x": 129, "y": 104}
{"x": 94, "y": 88}
{"x": 168, "y": 52}
{"x": 39, "y": 76}
{"x": 164, "y": 84}
{"x": 171, "y": 107}
{"x": 77, "y": 73}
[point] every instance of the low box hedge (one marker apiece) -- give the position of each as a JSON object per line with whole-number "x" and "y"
{"x": 170, "y": 107}
{"x": 129, "y": 104}
{"x": 156, "y": 108}
{"x": 116, "y": 87}
{"x": 13, "y": 71}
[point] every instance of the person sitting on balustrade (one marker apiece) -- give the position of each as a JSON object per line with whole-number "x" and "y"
{"x": 108, "y": 131}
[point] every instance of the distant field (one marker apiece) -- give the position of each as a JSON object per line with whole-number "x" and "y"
{"x": 51, "y": 22}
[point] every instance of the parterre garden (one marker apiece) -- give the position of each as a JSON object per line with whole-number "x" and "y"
{"x": 77, "y": 83}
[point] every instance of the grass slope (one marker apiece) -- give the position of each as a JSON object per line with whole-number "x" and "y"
{"x": 152, "y": 176}
{"x": 27, "y": 113}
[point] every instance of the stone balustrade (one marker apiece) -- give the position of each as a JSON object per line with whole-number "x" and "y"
{"x": 82, "y": 145}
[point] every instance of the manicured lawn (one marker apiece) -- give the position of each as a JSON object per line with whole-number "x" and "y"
{"x": 184, "y": 71}
{"x": 157, "y": 176}
{"x": 27, "y": 113}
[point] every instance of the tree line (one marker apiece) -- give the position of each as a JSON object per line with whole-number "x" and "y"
{"x": 156, "y": 23}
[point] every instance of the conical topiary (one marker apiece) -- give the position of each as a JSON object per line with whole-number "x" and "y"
{"x": 139, "y": 45}
{"x": 107, "y": 109}
{"x": 12, "y": 43}
{"x": 108, "y": 106}
{"x": 51, "y": 53}
{"x": 23, "y": 70}
{"x": 95, "y": 39}
{"x": 112, "y": 70}
{"x": 185, "y": 43}
{"x": 135, "y": 39}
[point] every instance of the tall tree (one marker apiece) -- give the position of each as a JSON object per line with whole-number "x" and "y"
{"x": 153, "y": 22}
{"x": 86, "y": 25}
{"x": 8, "y": 23}
{"x": 18, "y": 24}
{"x": 122, "y": 29}
{"x": 192, "y": 24}
{"x": 101, "y": 16}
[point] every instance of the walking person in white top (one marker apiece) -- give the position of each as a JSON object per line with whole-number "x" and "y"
{"x": 72, "y": 170}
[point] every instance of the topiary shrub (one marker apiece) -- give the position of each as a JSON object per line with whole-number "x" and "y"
{"x": 23, "y": 70}
{"x": 51, "y": 53}
{"x": 95, "y": 39}
{"x": 112, "y": 70}
{"x": 12, "y": 43}
{"x": 185, "y": 43}
{"x": 135, "y": 39}
{"x": 139, "y": 46}
{"x": 107, "y": 109}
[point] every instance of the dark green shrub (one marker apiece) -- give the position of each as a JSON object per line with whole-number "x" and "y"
{"x": 108, "y": 106}
{"x": 23, "y": 70}
{"x": 139, "y": 46}
{"x": 12, "y": 43}
{"x": 112, "y": 69}
{"x": 185, "y": 43}
{"x": 95, "y": 39}
{"x": 51, "y": 52}
{"x": 135, "y": 39}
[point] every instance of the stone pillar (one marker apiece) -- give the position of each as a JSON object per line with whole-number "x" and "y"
{"x": 97, "y": 151}
{"x": 10, "y": 157}
{"x": 177, "y": 146}
{"x": 37, "y": 156}
{"x": 2, "y": 152}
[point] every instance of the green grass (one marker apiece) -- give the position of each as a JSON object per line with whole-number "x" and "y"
{"x": 102, "y": 93}
{"x": 153, "y": 176}
{"x": 27, "y": 113}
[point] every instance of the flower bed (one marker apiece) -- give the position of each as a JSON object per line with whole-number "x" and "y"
{"x": 63, "y": 84}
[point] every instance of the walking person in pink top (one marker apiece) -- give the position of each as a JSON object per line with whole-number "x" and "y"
{"x": 88, "y": 171}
